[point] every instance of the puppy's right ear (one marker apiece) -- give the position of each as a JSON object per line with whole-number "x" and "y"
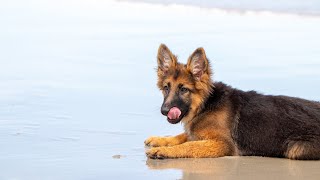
{"x": 166, "y": 59}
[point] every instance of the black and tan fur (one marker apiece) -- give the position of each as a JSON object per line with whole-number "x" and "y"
{"x": 222, "y": 121}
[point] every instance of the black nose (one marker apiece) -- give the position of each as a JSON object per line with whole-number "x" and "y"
{"x": 165, "y": 109}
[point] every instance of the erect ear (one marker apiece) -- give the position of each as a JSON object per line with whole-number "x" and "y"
{"x": 198, "y": 63}
{"x": 166, "y": 59}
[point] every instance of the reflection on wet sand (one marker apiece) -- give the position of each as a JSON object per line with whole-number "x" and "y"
{"x": 239, "y": 168}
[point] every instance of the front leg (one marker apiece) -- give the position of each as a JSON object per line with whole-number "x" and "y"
{"x": 194, "y": 149}
{"x": 166, "y": 141}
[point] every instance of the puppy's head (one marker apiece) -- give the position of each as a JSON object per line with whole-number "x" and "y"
{"x": 184, "y": 86}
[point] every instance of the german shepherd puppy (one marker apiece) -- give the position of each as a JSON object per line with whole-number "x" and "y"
{"x": 222, "y": 121}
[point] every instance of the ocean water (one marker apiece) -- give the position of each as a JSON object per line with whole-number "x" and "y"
{"x": 78, "y": 91}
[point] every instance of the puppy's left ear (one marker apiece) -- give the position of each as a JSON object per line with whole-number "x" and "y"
{"x": 198, "y": 63}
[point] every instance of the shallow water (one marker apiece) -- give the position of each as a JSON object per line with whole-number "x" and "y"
{"x": 78, "y": 89}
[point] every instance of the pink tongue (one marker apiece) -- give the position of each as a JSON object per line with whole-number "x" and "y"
{"x": 174, "y": 113}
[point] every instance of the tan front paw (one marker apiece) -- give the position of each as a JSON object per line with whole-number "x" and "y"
{"x": 158, "y": 141}
{"x": 160, "y": 153}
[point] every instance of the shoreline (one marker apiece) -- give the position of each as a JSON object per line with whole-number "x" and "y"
{"x": 299, "y": 8}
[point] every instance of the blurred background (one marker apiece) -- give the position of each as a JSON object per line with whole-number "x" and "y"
{"x": 78, "y": 89}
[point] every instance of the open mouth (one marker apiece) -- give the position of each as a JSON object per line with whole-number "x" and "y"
{"x": 175, "y": 115}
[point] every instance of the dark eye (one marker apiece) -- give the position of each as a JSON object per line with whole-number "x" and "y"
{"x": 184, "y": 90}
{"x": 166, "y": 89}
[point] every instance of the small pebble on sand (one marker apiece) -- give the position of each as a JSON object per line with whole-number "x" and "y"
{"x": 117, "y": 156}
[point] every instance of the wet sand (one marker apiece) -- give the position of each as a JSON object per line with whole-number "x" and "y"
{"x": 240, "y": 168}
{"x": 78, "y": 93}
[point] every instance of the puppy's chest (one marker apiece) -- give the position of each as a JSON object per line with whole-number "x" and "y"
{"x": 191, "y": 136}
{"x": 208, "y": 126}
{"x": 201, "y": 134}
{"x": 197, "y": 132}
{"x": 191, "y": 132}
